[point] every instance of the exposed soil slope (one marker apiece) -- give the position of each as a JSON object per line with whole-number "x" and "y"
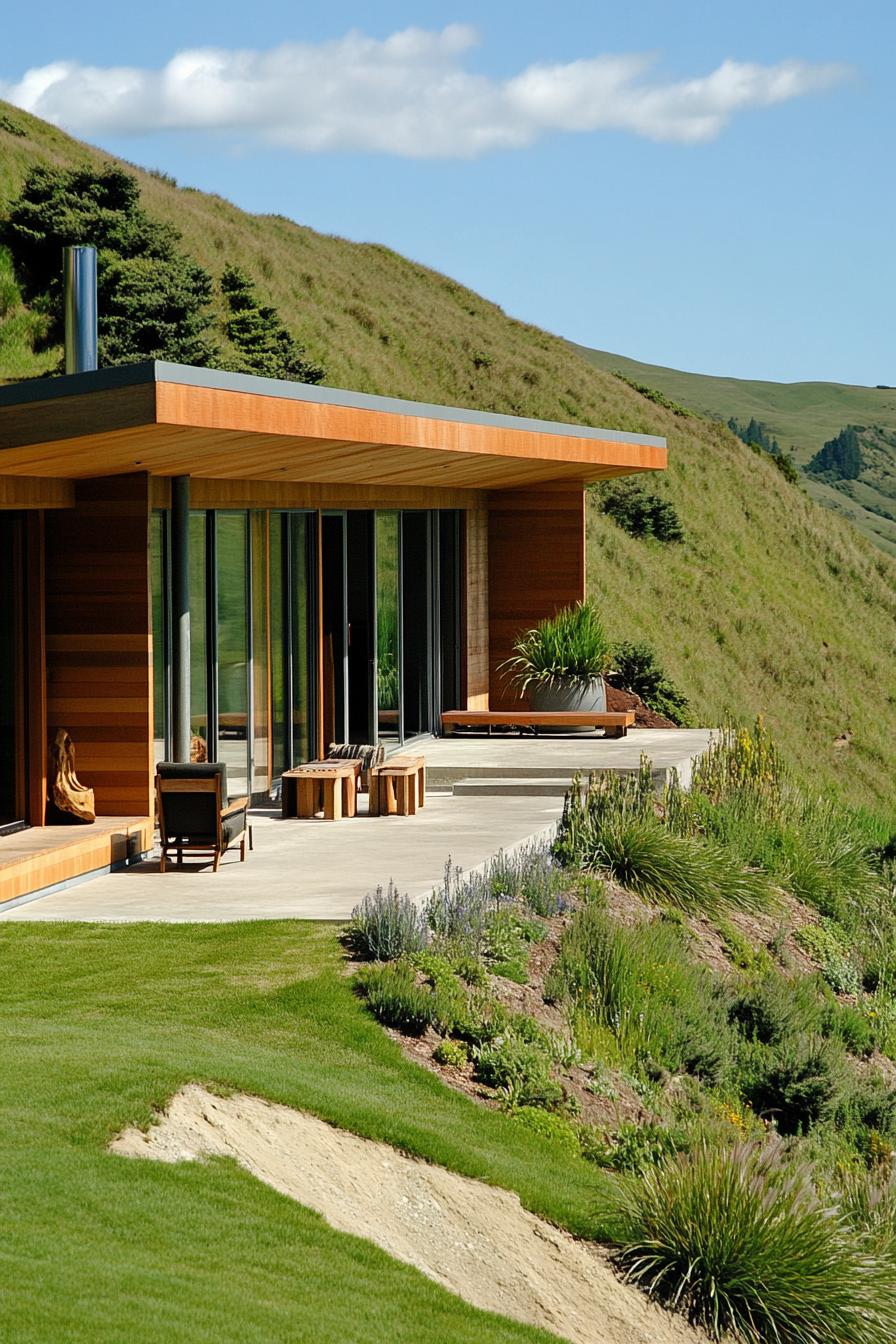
{"x": 475, "y": 1240}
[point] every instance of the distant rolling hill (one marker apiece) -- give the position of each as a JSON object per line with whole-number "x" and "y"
{"x": 802, "y": 417}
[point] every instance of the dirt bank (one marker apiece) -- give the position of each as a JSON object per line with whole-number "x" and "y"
{"x": 474, "y": 1240}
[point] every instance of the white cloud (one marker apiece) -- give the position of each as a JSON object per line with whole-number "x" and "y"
{"x": 410, "y": 94}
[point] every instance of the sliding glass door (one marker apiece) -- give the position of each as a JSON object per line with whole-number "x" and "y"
{"x": 252, "y": 636}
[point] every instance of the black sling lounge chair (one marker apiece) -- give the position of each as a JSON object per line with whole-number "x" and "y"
{"x": 194, "y": 816}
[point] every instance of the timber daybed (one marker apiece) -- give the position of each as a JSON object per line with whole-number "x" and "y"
{"x": 614, "y": 723}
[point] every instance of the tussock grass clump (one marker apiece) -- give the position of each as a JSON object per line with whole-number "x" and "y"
{"x": 395, "y": 998}
{"x": 695, "y": 876}
{"x": 740, "y": 1242}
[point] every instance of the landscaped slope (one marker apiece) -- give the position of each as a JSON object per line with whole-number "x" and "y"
{"x": 769, "y": 605}
{"x": 803, "y": 417}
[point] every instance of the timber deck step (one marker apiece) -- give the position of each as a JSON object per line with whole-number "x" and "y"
{"x": 43, "y": 856}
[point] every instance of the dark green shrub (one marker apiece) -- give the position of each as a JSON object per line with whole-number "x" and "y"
{"x": 849, "y": 1026}
{"x": 740, "y": 1242}
{"x": 796, "y": 1084}
{"x": 387, "y": 925}
{"x": 637, "y": 669}
{"x": 154, "y": 301}
{"x": 772, "y": 1009}
{"x": 263, "y": 344}
{"x": 639, "y": 511}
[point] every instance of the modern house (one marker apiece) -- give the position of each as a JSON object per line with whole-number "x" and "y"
{"x": 253, "y": 569}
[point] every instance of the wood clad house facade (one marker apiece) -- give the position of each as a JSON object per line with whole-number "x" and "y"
{"x": 266, "y": 567}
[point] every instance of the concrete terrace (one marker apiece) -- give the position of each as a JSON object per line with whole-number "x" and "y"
{"x": 485, "y": 795}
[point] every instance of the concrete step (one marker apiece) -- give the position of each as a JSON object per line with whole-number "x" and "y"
{"x": 513, "y": 787}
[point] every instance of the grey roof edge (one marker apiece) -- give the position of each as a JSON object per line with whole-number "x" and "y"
{"x": 159, "y": 371}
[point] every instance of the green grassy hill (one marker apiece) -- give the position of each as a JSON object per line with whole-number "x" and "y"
{"x": 771, "y": 605}
{"x": 802, "y": 416}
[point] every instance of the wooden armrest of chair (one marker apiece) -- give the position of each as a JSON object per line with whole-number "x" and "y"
{"x": 238, "y": 805}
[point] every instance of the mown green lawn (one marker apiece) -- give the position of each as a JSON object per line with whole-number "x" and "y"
{"x": 100, "y": 1024}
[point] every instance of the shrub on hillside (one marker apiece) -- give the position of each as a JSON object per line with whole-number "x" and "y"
{"x": 639, "y": 511}
{"x": 794, "y": 1085}
{"x": 772, "y": 1009}
{"x": 637, "y": 669}
{"x": 520, "y": 1069}
{"x": 387, "y": 925}
{"x": 740, "y": 1241}
{"x": 263, "y": 343}
{"x": 638, "y": 986}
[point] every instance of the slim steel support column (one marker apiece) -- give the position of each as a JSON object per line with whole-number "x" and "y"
{"x": 180, "y": 617}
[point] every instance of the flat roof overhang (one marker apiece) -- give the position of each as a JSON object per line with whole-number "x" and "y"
{"x": 172, "y": 420}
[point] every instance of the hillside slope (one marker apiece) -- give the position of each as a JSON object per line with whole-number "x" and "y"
{"x": 771, "y": 604}
{"x": 802, "y": 416}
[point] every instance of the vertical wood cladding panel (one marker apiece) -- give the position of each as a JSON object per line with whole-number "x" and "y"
{"x": 99, "y": 639}
{"x": 536, "y": 564}
{"x": 476, "y": 606}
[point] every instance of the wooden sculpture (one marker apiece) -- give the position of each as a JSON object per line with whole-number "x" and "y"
{"x": 67, "y": 794}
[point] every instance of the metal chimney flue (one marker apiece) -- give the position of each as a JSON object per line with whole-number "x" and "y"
{"x": 79, "y": 276}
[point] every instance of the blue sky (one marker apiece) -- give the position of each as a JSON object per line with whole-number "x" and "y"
{"x": 753, "y": 239}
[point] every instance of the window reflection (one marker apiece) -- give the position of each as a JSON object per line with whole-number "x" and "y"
{"x": 233, "y": 653}
{"x": 387, "y": 629}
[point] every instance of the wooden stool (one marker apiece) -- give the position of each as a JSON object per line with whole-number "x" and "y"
{"x": 398, "y": 786}
{"x": 327, "y": 786}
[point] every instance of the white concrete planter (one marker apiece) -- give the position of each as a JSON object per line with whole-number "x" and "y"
{"x": 573, "y": 697}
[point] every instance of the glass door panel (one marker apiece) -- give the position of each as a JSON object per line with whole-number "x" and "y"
{"x": 233, "y": 650}
{"x": 388, "y": 633}
{"x": 416, "y": 622}
{"x": 299, "y": 625}
{"x": 199, "y": 728}
{"x": 260, "y": 754}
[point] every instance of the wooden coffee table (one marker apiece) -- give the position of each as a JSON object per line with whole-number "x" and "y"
{"x": 330, "y": 787}
{"x": 398, "y": 786}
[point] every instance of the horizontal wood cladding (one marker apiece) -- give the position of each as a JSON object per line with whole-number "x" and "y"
{"x": 99, "y": 639}
{"x": 536, "y": 564}
{"x": 248, "y": 494}
{"x": 35, "y": 492}
{"x": 476, "y": 609}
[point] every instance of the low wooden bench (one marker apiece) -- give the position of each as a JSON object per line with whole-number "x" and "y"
{"x": 615, "y": 723}
{"x": 327, "y": 786}
{"x": 398, "y": 786}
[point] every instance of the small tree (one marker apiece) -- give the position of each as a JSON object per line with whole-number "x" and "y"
{"x": 263, "y": 343}
{"x": 153, "y": 299}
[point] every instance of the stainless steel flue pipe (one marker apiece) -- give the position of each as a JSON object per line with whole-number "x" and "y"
{"x": 79, "y": 281}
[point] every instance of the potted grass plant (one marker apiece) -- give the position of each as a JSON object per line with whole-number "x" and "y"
{"x": 560, "y": 663}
